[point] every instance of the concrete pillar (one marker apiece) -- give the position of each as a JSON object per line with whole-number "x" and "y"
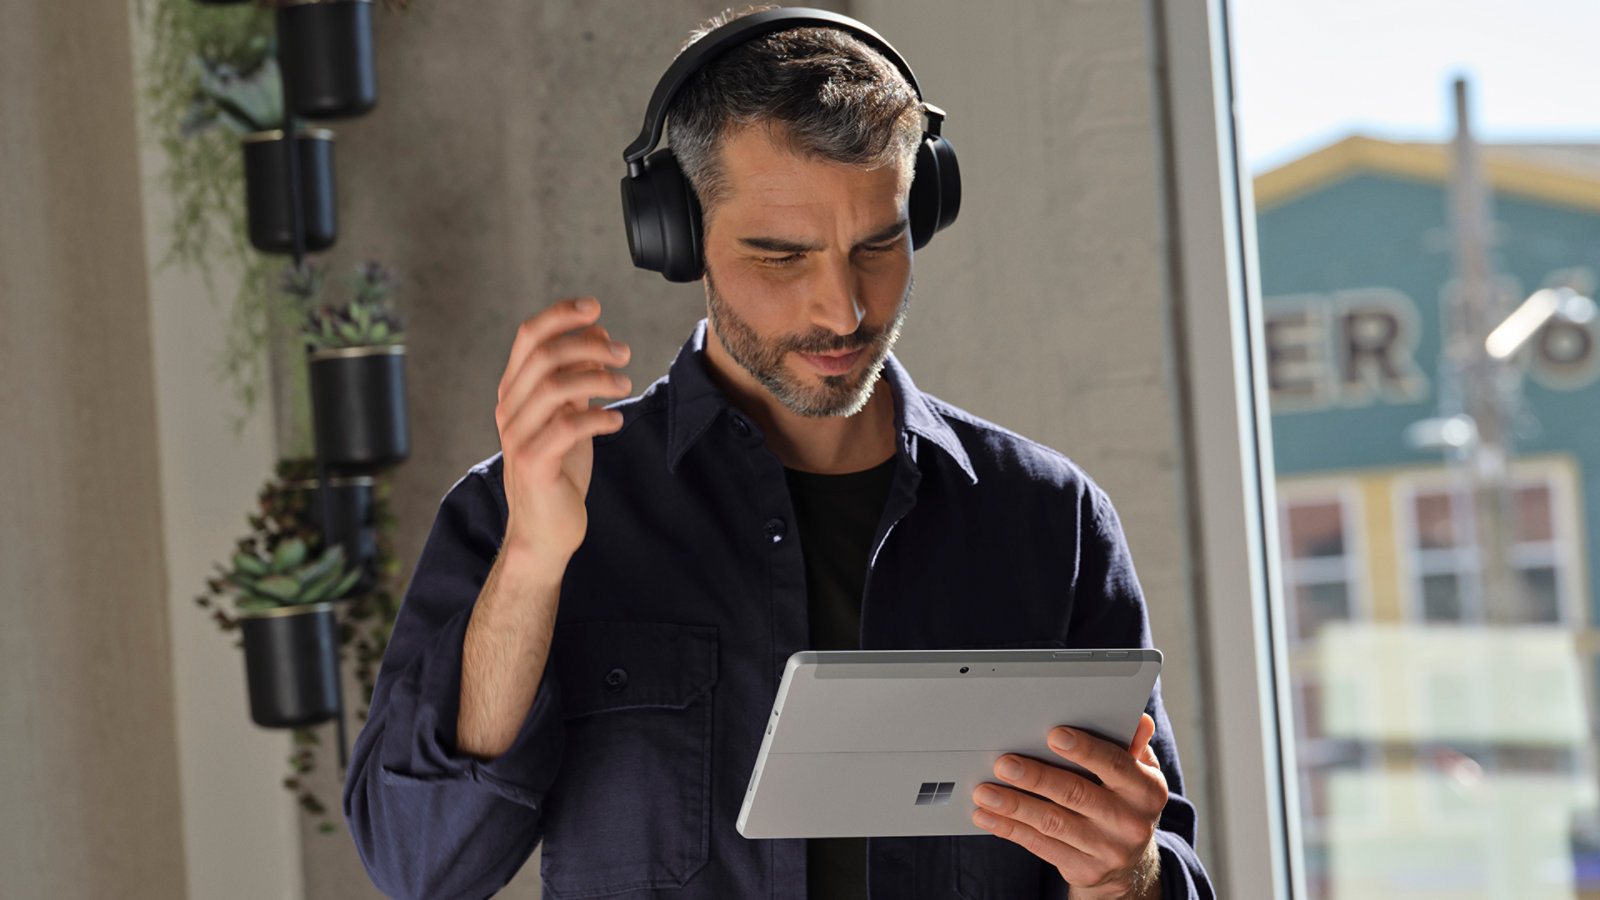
{"x": 239, "y": 824}
{"x": 89, "y": 787}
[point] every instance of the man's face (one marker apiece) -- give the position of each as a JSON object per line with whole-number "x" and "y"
{"x": 808, "y": 272}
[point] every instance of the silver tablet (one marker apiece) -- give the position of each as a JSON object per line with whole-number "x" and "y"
{"x": 878, "y": 743}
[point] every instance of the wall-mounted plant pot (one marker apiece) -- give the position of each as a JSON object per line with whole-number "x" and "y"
{"x": 354, "y": 527}
{"x": 358, "y": 407}
{"x": 291, "y": 661}
{"x": 266, "y": 185}
{"x": 325, "y": 54}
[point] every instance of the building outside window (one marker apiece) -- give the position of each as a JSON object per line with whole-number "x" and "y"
{"x": 1443, "y": 748}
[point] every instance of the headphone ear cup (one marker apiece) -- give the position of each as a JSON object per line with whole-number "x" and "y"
{"x": 935, "y": 189}
{"x": 663, "y": 219}
{"x": 949, "y": 182}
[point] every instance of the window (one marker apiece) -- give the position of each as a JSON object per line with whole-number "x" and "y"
{"x": 1477, "y": 737}
{"x": 1442, "y": 546}
{"x": 1320, "y": 570}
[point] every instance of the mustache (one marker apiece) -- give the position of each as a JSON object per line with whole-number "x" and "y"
{"x": 828, "y": 342}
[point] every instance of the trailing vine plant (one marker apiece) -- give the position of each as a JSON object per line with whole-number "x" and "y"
{"x": 192, "y": 46}
{"x": 204, "y": 175}
{"x": 210, "y": 77}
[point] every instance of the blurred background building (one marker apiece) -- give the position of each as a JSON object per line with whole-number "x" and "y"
{"x": 1444, "y": 724}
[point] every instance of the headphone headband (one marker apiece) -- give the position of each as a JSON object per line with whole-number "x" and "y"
{"x": 742, "y": 29}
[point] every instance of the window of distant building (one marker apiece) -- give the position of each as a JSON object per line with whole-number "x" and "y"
{"x": 1322, "y": 543}
{"x": 1438, "y": 537}
{"x": 1321, "y": 562}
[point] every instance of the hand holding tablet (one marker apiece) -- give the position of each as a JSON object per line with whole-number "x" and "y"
{"x": 1100, "y": 837}
{"x": 883, "y": 743}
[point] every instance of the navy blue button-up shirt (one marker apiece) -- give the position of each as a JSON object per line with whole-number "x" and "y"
{"x": 677, "y": 615}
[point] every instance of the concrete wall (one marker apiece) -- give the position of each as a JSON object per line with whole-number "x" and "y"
{"x": 89, "y": 787}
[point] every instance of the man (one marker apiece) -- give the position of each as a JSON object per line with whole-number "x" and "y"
{"x": 593, "y": 637}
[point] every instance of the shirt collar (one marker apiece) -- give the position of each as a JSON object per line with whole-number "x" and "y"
{"x": 694, "y": 401}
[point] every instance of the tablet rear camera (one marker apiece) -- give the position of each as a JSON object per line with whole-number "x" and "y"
{"x": 963, "y": 670}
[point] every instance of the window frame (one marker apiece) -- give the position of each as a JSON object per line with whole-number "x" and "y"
{"x": 1233, "y": 531}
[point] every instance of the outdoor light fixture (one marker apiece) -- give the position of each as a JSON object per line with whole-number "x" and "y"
{"x": 1510, "y": 335}
{"x": 1447, "y": 433}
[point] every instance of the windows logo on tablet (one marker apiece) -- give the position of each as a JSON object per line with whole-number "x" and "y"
{"x": 935, "y": 793}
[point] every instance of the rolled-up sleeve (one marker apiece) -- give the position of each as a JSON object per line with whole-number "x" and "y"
{"x": 429, "y": 821}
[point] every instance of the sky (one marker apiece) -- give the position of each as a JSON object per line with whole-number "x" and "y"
{"x": 1309, "y": 72}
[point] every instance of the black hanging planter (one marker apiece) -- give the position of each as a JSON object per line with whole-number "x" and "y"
{"x": 355, "y": 526}
{"x": 291, "y": 661}
{"x": 266, "y": 184}
{"x": 325, "y": 54}
{"x": 358, "y": 407}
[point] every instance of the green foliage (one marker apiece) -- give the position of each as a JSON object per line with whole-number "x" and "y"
{"x": 239, "y": 100}
{"x": 209, "y": 75}
{"x": 287, "y": 579}
{"x": 204, "y": 173}
{"x": 283, "y": 515}
{"x": 366, "y": 319}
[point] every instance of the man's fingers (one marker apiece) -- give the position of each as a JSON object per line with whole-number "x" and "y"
{"x": 1067, "y": 789}
{"x": 1111, "y": 763}
{"x": 546, "y": 324}
{"x": 1137, "y": 781}
{"x": 549, "y": 322}
{"x": 1140, "y": 748}
{"x": 550, "y": 396}
{"x": 1076, "y": 866}
{"x": 541, "y": 456}
{"x": 588, "y": 349}
{"x": 1049, "y": 819}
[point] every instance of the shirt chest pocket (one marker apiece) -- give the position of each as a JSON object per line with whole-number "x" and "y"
{"x": 631, "y": 808}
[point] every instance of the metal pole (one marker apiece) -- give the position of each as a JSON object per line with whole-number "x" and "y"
{"x": 297, "y": 216}
{"x": 1479, "y": 306}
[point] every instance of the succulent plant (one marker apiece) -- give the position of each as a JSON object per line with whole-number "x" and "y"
{"x": 243, "y": 99}
{"x": 365, "y": 320}
{"x": 286, "y": 578}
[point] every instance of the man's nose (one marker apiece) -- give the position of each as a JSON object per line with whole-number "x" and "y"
{"x": 836, "y": 304}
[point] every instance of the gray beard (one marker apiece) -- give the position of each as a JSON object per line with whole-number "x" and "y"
{"x": 838, "y": 395}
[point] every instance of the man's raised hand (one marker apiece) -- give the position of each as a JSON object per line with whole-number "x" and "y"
{"x": 559, "y": 361}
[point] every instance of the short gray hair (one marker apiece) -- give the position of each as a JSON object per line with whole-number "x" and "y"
{"x": 838, "y": 98}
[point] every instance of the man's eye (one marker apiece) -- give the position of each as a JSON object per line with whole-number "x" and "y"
{"x": 793, "y": 258}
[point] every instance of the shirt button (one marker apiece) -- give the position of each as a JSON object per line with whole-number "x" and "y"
{"x": 776, "y": 529}
{"x": 741, "y": 427}
{"x": 616, "y": 680}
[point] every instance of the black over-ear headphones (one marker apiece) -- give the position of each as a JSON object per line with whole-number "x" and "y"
{"x": 659, "y": 205}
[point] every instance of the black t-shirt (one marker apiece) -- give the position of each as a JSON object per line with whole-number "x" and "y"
{"x": 838, "y": 517}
